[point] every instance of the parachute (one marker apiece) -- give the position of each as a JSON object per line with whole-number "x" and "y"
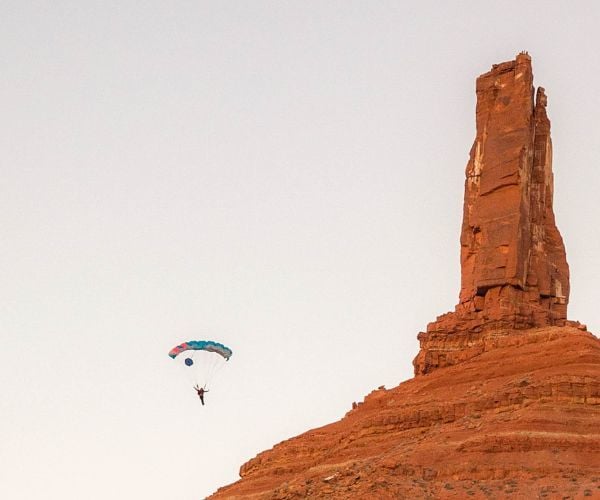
{"x": 203, "y": 359}
{"x": 201, "y": 345}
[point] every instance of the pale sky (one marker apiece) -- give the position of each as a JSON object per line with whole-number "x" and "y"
{"x": 283, "y": 177}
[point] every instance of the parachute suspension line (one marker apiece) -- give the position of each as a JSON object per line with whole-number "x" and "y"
{"x": 215, "y": 366}
{"x": 216, "y": 369}
{"x": 203, "y": 367}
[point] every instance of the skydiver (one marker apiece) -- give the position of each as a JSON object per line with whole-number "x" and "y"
{"x": 200, "y": 391}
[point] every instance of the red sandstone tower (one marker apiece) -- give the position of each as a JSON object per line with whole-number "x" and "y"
{"x": 514, "y": 272}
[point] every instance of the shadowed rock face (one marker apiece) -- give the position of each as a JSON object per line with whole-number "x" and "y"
{"x": 514, "y": 271}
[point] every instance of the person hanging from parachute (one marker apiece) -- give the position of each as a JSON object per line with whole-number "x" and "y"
{"x": 201, "y": 391}
{"x": 204, "y": 359}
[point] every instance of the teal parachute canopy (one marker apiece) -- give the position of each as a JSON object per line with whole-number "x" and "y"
{"x": 201, "y": 345}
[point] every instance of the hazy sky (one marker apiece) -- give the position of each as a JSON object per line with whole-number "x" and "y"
{"x": 284, "y": 177}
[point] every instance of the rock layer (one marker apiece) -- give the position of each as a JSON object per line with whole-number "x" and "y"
{"x": 485, "y": 428}
{"x": 514, "y": 272}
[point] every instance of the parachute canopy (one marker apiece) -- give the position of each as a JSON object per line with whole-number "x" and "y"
{"x": 201, "y": 345}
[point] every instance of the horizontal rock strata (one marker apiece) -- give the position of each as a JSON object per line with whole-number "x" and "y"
{"x": 485, "y": 428}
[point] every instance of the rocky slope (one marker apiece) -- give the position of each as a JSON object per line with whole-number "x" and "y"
{"x": 518, "y": 420}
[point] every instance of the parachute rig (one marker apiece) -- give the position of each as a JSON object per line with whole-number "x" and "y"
{"x": 202, "y": 360}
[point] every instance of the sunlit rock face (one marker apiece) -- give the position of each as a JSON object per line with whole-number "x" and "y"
{"x": 514, "y": 271}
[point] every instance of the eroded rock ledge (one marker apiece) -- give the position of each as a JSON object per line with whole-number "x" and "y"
{"x": 438, "y": 349}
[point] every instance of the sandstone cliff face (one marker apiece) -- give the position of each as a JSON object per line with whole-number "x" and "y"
{"x": 520, "y": 420}
{"x": 514, "y": 272}
{"x": 506, "y": 401}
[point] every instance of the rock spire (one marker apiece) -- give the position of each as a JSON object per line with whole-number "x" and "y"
{"x": 514, "y": 271}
